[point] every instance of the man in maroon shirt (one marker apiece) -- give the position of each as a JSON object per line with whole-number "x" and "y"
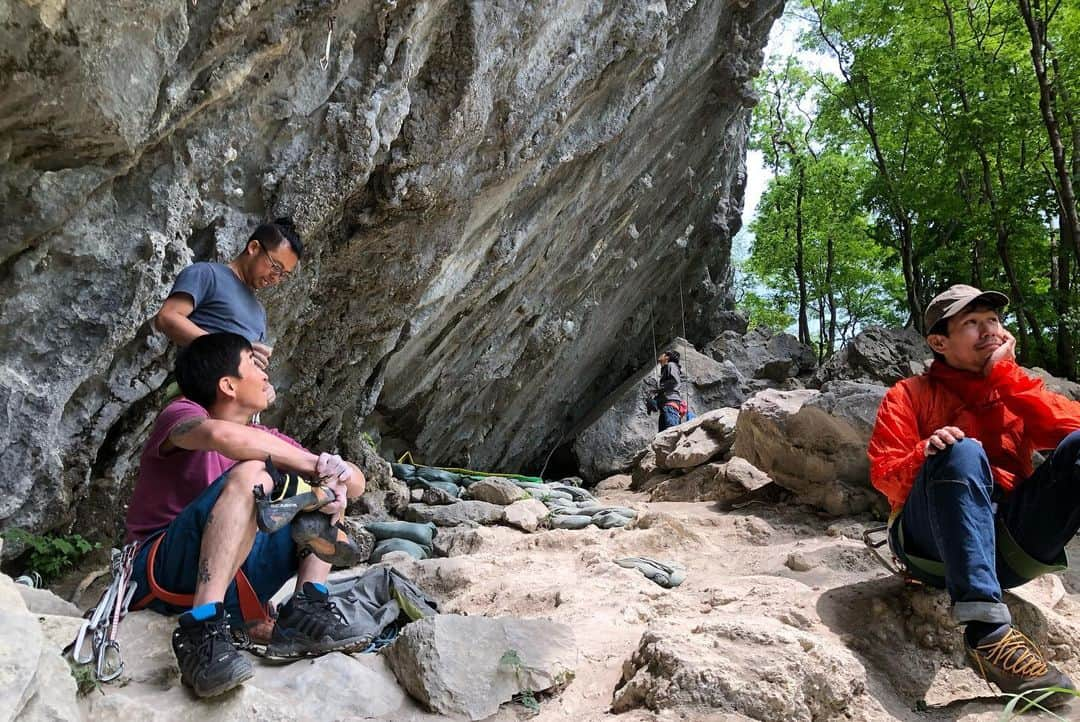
{"x": 194, "y": 509}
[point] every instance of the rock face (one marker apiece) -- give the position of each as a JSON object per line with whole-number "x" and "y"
{"x": 878, "y": 356}
{"x": 494, "y": 198}
{"x": 764, "y": 354}
{"x": 781, "y": 673}
{"x": 814, "y": 442}
{"x": 468, "y": 666}
{"x": 610, "y": 439}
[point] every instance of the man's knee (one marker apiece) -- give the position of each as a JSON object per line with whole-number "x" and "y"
{"x": 245, "y": 475}
{"x": 963, "y": 461}
{"x": 1068, "y": 451}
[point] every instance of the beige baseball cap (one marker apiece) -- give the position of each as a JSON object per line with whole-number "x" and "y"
{"x": 956, "y": 299}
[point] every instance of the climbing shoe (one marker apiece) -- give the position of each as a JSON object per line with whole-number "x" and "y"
{"x": 270, "y": 516}
{"x": 328, "y": 540}
{"x": 311, "y": 624}
{"x": 209, "y": 662}
{"x": 1016, "y": 665}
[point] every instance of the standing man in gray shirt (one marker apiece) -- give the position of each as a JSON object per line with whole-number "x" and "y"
{"x": 220, "y": 297}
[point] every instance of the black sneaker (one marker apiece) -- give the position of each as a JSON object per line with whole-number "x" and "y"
{"x": 1016, "y": 665}
{"x": 209, "y": 662}
{"x": 310, "y": 624}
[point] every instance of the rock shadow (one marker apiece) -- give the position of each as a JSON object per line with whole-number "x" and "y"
{"x": 905, "y": 638}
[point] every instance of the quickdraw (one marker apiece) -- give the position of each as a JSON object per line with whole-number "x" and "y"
{"x": 324, "y": 61}
{"x": 103, "y": 620}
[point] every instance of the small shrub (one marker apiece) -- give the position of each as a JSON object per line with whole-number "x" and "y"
{"x": 51, "y": 555}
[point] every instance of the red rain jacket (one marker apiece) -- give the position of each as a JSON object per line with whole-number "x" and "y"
{"x": 1010, "y": 413}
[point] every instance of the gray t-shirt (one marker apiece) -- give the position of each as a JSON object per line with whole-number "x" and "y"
{"x": 222, "y": 301}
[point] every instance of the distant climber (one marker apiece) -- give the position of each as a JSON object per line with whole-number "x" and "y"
{"x": 194, "y": 510}
{"x": 220, "y": 297}
{"x": 952, "y": 451}
{"x": 667, "y": 397}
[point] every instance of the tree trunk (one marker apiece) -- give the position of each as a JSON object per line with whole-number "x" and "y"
{"x": 800, "y": 261}
{"x": 1070, "y": 222}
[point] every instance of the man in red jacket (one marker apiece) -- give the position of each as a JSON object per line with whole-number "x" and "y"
{"x": 951, "y": 449}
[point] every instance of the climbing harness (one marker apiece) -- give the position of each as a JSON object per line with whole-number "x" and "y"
{"x": 876, "y": 540}
{"x": 324, "y": 62}
{"x": 103, "y": 621}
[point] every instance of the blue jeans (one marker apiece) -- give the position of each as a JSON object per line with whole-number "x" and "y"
{"x": 668, "y": 417}
{"x": 951, "y": 513}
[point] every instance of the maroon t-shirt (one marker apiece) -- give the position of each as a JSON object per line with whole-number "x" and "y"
{"x": 170, "y": 481}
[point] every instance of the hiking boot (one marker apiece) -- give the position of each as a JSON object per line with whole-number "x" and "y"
{"x": 311, "y": 624}
{"x": 328, "y": 540}
{"x": 209, "y": 662}
{"x": 1016, "y": 665}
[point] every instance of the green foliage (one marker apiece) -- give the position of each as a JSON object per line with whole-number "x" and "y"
{"x": 526, "y": 698}
{"x": 51, "y": 555}
{"x": 1031, "y": 700}
{"x": 923, "y": 160}
{"x": 85, "y": 679}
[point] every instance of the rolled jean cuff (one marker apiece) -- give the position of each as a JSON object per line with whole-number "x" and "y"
{"x": 992, "y": 612}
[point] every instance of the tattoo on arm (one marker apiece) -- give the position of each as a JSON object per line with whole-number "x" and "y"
{"x": 186, "y": 427}
{"x": 204, "y": 571}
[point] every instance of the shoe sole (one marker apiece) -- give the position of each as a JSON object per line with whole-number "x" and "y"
{"x": 299, "y": 650}
{"x": 274, "y": 516}
{"x": 223, "y": 687}
{"x": 339, "y": 552}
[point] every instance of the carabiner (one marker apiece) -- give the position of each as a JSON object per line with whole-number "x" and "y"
{"x": 106, "y": 672}
{"x": 80, "y": 642}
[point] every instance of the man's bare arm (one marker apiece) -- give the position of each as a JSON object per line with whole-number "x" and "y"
{"x": 172, "y": 320}
{"x": 240, "y": 442}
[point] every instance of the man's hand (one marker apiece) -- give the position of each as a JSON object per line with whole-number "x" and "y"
{"x": 1007, "y": 350}
{"x": 261, "y": 354}
{"x": 943, "y": 438}
{"x": 331, "y": 467}
{"x": 271, "y": 394}
{"x": 340, "y": 497}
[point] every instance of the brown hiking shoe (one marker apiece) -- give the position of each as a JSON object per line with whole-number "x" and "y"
{"x": 1016, "y": 665}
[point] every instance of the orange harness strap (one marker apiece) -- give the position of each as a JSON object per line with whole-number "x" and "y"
{"x": 252, "y": 610}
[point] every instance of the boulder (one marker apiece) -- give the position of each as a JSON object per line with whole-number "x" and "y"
{"x": 693, "y": 443}
{"x": 764, "y": 354}
{"x": 35, "y": 682}
{"x": 616, "y": 482}
{"x": 814, "y": 443}
{"x": 434, "y": 496}
{"x": 877, "y": 356}
{"x": 526, "y": 514}
{"x": 469, "y": 513}
{"x": 698, "y": 484}
{"x": 468, "y": 666}
{"x": 612, "y": 435}
{"x": 740, "y": 472}
{"x": 496, "y": 490}
{"x": 758, "y": 668}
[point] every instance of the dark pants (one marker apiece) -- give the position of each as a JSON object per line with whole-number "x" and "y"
{"x": 951, "y": 512}
{"x": 669, "y": 417}
{"x": 270, "y": 563}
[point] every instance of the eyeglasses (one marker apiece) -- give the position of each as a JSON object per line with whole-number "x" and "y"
{"x": 277, "y": 268}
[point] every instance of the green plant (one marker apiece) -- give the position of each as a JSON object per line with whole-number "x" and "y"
{"x": 526, "y": 697}
{"x": 85, "y": 680}
{"x": 51, "y": 555}
{"x": 367, "y": 439}
{"x": 1031, "y": 700}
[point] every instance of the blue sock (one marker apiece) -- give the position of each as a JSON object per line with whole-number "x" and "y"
{"x": 321, "y": 587}
{"x": 204, "y": 611}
